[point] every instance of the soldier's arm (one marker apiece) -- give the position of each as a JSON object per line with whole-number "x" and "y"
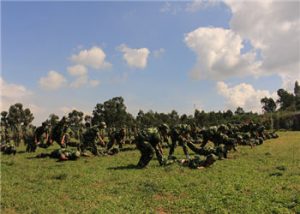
{"x": 101, "y": 140}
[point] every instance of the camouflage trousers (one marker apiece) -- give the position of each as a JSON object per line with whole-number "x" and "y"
{"x": 174, "y": 145}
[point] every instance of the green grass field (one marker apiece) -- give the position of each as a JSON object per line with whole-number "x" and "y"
{"x": 265, "y": 179}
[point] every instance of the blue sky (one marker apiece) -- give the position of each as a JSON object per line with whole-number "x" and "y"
{"x": 157, "y": 55}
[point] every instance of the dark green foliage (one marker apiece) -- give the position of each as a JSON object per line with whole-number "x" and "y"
{"x": 269, "y": 104}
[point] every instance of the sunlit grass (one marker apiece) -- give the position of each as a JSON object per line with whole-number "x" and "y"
{"x": 265, "y": 179}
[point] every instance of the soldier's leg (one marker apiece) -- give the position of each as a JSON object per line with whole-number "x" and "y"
{"x": 159, "y": 155}
{"x": 146, "y": 155}
{"x": 194, "y": 148}
{"x": 185, "y": 150}
{"x": 120, "y": 145}
{"x": 110, "y": 144}
{"x": 172, "y": 148}
{"x": 94, "y": 149}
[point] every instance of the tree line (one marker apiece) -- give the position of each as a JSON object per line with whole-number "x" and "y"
{"x": 283, "y": 113}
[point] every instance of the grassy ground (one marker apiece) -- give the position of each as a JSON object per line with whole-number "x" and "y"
{"x": 265, "y": 179}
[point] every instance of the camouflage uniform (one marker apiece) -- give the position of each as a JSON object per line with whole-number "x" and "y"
{"x": 61, "y": 154}
{"x": 179, "y": 134}
{"x": 8, "y": 149}
{"x": 148, "y": 142}
{"x": 197, "y": 163}
{"x": 90, "y": 138}
{"x": 29, "y": 140}
{"x": 117, "y": 137}
{"x": 41, "y": 134}
{"x": 59, "y": 132}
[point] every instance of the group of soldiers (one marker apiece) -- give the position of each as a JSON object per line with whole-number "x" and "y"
{"x": 222, "y": 139}
{"x": 208, "y": 144}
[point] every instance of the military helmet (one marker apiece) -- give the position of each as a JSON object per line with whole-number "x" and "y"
{"x": 213, "y": 129}
{"x": 212, "y": 157}
{"x": 102, "y": 125}
{"x": 222, "y": 128}
{"x": 164, "y": 127}
{"x": 77, "y": 154}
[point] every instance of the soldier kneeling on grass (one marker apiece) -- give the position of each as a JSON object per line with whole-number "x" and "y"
{"x": 91, "y": 137}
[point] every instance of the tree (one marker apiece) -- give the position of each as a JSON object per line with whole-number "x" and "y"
{"x": 18, "y": 119}
{"x": 4, "y": 126}
{"x": 269, "y": 105}
{"x": 297, "y": 95}
{"x": 173, "y": 117}
{"x": 75, "y": 118}
{"x": 113, "y": 112}
{"x": 285, "y": 100}
{"x": 53, "y": 119}
{"x": 239, "y": 111}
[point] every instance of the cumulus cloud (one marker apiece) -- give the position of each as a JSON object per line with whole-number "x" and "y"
{"x": 158, "y": 53}
{"x": 243, "y": 95}
{"x": 94, "y": 58}
{"x": 52, "y": 81}
{"x": 77, "y": 70}
{"x": 135, "y": 57}
{"x": 14, "y": 93}
{"x": 79, "y": 81}
{"x": 219, "y": 54}
{"x": 273, "y": 28}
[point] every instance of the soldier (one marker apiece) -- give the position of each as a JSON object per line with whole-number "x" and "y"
{"x": 197, "y": 163}
{"x": 145, "y": 148}
{"x": 41, "y": 134}
{"x": 90, "y": 138}
{"x": 61, "y": 154}
{"x": 29, "y": 139}
{"x": 148, "y": 142}
{"x": 59, "y": 133}
{"x": 117, "y": 137}
{"x": 179, "y": 134}
{"x": 8, "y": 149}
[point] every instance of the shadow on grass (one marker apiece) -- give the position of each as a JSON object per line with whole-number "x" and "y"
{"x": 21, "y": 152}
{"x": 130, "y": 166}
{"x": 127, "y": 149}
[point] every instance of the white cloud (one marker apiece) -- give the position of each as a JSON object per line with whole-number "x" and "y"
{"x": 94, "y": 58}
{"x": 273, "y": 28}
{"x": 158, "y": 53}
{"x": 172, "y": 8}
{"x": 136, "y": 58}
{"x": 77, "y": 70}
{"x": 52, "y": 81}
{"x": 219, "y": 54}
{"x": 197, "y": 5}
{"x": 94, "y": 83}
{"x": 13, "y": 93}
{"x": 79, "y": 81}
{"x": 243, "y": 95}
